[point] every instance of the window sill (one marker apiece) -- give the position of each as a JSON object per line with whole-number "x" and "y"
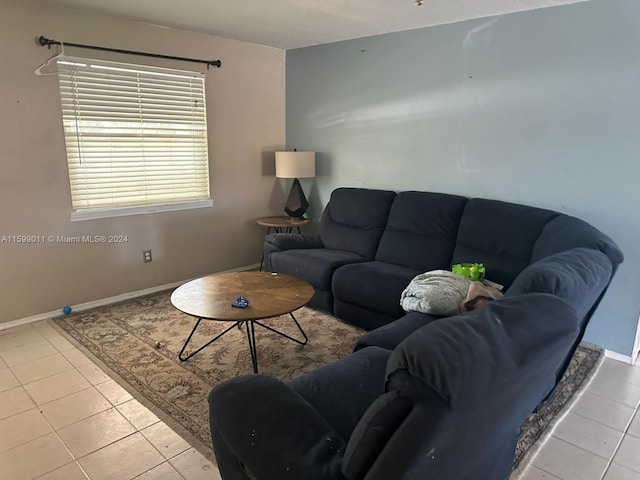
{"x": 82, "y": 215}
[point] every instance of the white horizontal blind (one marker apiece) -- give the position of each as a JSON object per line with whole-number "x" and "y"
{"x": 135, "y": 135}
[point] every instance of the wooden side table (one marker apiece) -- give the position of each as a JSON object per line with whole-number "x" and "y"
{"x": 281, "y": 225}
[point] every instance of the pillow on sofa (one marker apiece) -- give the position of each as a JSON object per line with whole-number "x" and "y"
{"x": 438, "y": 292}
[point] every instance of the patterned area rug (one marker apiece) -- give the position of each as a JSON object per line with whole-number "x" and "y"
{"x": 137, "y": 342}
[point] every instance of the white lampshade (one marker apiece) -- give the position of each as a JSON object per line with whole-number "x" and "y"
{"x": 295, "y": 164}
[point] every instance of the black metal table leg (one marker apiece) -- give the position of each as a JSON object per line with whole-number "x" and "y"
{"x": 251, "y": 337}
{"x": 205, "y": 345}
{"x": 304, "y": 335}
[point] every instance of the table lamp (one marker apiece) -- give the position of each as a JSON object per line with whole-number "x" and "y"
{"x": 296, "y": 165}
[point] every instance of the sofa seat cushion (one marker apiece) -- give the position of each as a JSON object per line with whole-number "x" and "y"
{"x": 390, "y": 335}
{"x": 343, "y": 390}
{"x": 361, "y": 316}
{"x": 315, "y": 265}
{"x": 376, "y": 285}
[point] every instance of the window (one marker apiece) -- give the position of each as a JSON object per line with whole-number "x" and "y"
{"x": 136, "y": 137}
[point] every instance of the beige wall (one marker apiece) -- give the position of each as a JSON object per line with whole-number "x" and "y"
{"x": 246, "y": 124}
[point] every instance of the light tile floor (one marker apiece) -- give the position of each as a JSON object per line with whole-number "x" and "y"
{"x": 599, "y": 439}
{"x": 61, "y": 417}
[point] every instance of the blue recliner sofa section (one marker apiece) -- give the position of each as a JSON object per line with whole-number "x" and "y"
{"x": 445, "y": 404}
{"x": 421, "y": 396}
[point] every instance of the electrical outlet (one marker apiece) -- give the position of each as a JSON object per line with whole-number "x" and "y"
{"x": 146, "y": 256}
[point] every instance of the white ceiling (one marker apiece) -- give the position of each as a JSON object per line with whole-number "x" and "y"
{"x": 300, "y": 23}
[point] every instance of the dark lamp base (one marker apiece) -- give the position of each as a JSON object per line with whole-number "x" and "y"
{"x": 297, "y": 203}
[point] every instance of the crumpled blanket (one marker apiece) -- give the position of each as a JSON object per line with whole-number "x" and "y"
{"x": 441, "y": 292}
{"x": 478, "y": 295}
{"x": 438, "y": 292}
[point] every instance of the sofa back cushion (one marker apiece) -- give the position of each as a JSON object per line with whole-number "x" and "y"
{"x": 578, "y": 275}
{"x": 421, "y": 230}
{"x": 476, "y": 356}
{"x": 565, "y": 232}
{"x": 501, "y": 235}
{"x": 354, "y": 220}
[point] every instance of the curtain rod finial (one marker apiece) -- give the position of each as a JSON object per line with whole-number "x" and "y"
{"x": 42, "y": 41}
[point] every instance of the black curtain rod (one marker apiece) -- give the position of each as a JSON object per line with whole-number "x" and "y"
{"x": 46, "y": 42}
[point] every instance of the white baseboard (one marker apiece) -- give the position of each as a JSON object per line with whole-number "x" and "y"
{"x": 106, "y": 301}
{"x": 636, "y": 344}
{"x": 619, "y": 357}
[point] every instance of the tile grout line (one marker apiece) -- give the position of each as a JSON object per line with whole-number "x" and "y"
{"x": 625, "y": 433}
{"x": 159, "y": 420}
{"x": 76, "y": 459}
{"x": 112, "y": 406}
{"x": 53, "y": 429}
{"x": 166, "y": 460}
{"x": 609, "y": 461}
{"x": 604, "y": 424}
{"x": 136, "y": 430}
{"x": 31, "y": 440}
{"x": 41, "y": 338}
{"x": 38, "y": 408}
{"x": 613, "y": 455}
{"x": 635, "y": 409}
{"x": 55, "y": 432}
{"x": 545, "y": 471}
{"x": 580, "y": 448}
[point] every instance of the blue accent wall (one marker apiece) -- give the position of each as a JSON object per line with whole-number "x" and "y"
{"x": 540, "y": 107}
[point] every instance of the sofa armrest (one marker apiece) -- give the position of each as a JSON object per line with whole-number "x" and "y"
{"x": 280, "y": 242}
{"x": 263, "y": 429}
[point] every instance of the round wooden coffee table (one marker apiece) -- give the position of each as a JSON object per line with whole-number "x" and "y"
{"x": 269, "y": 295}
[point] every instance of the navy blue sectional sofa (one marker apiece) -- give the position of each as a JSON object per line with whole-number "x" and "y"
{"x": 421, "y": 397}
{"x": 373, "y": 242}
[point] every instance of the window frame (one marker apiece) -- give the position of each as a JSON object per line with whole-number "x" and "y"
{"x": 130, "y": 137}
